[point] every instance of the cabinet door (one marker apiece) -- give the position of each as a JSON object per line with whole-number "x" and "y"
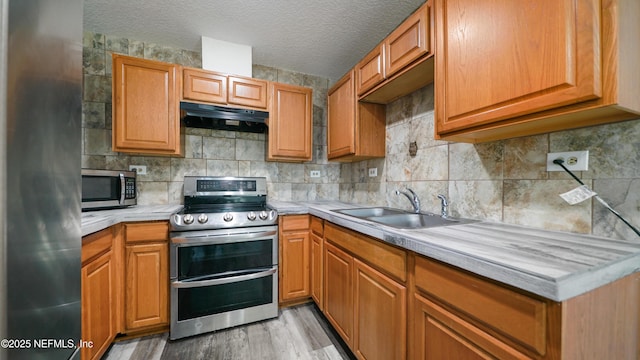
{"x": 290, "y": 123}
{"x": 147, "y": 285}
{"x": 407, "y": 42}
{"x": 247, "y": 92}
{"x": 525, "y": 57}
{"x": 294, "y": 272}
{"x": 205, "y": 86}
{"x": 341, "y": 125}
{"x": 145, "y": 106}
{"x": 98, "y": 305}
{"x": 338, "y": 290}
{"x": 440, "y": 334}
{"x": 370, "y": 70}
{"x": 317, "y": 243}
{"x": 380, "y": 315}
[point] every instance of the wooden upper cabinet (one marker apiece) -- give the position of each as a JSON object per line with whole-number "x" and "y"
{"x": 534, "y": 66}
{"x": 408, "y": 41}
{"x": 247, "y": 92}
{"x": 202, "y": 85}
{"x": 146, "y": 106}
{"x": 290, "y": 123}
{"x": 355, "y": 130}
{"x": 402, "y": 63}
{"x": 370, "y": 70}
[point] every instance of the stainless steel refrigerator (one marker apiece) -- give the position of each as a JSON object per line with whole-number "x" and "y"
{"x": 40, "y": 183}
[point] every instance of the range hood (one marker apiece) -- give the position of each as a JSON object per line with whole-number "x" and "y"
{"x": 223, "y": 118}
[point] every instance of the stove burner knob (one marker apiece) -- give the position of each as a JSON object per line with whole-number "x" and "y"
{"x": 202, "y": 218}
{"x": 273, "y": 214}
{"x": 263, "y": 215}
{"x": 227, "y": 217}
{"x": 251, "y": 216}
{"x": 188, "y": 219}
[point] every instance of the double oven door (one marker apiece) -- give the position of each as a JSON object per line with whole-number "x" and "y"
{"x": 222, "y": 278}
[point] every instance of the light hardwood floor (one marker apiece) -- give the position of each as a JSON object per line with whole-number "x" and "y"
{"x": 300, "y": 332}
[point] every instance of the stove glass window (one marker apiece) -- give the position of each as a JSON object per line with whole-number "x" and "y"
{"x": 195, "y": 261}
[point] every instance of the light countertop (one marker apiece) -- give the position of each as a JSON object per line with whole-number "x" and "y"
{"x": 552, "y": 264}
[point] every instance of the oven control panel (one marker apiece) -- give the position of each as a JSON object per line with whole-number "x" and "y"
{"x": 221, "y": 220}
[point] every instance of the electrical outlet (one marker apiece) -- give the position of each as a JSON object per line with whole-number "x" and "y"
{"x": 573, "y": 160}
{"x": 373, "y": 172}
{"x": 314, "y": 173}
{"x": 139, "y": 169}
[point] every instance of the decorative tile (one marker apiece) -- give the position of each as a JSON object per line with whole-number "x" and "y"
{"x": 193, "y": 145}
{"x": 291, "y": 173}
{"x": 398, "y": 167}
{"x": 97, "y": 88}
{"x": 400, "y": 110}
{"x": 319, "y": 118}
{"x": 422, "y": 101}
{"x": 189, "y": 58}
{"x": 422, "y": 131}
{"x": 279, "y": 191}
{"x": 93, "y": 115}
{"x": 537, "y": 203}
{"x": 93, "y": 61}
{"x": 94, "y": 161}
{"x": 303, "y": 192}
{"x": 264, "y": 72}
{"x": 222, "y": 168}
{"x": 526, "y": 157}
{"x": 219, "y": 148}
{"x": 431, "y": 163}
{"x": 160, "y": 53}
{"x": 265, "y": 169}
{"x": 250, "y": 150}
{"x": 624, "y": 196}
{"x": 93, "y": 40}
{"x": 152, "y": 193}
{"x": 176, "y": 192}
{"x": 476, "y": 199}
{"x": 327, "y": 191}
{"x": 290, "y": 77}
{"x": 117, "y": 45}
{"x": 183, "y": 167}
{"x": 136, "y": 48}
{"x": 97, "y": 142}
{"x": 398, "y": 138}
{"x": 158, "y": 168}
{"x": 476, "y": 161}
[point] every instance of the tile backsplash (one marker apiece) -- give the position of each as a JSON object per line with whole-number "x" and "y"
{"x": 504, "y": 181}
{"x": 207, "y": 152}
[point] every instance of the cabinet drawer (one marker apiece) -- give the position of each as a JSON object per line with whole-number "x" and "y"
{"x": 146, "y": 231}
{"x": 513, "y": 315}
{"x": 96, "y": 244}
{"x": 294, "y": 222}
{"x": 384, "y": 257}
{"x": 317, "y": 226}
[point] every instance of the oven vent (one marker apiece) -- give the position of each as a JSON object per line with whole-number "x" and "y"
{"x": 223, "y": 118}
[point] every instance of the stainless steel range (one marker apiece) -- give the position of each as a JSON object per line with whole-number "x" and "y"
{"x": 224, "y": 256}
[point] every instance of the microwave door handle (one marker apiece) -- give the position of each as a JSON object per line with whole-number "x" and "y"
{"x": 226, "y": 280}
{"x": 122, "y": 188}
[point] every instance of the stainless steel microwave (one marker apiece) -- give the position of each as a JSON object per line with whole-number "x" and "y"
{"x": 108, "y": 189}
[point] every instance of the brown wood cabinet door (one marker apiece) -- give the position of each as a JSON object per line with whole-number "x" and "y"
{"x": 498, "y": 60}
{"x": 294, "y": 267}
{"x": 370, "y": 70}
{"x": 145, "y": 106}
{"x": 98, "y": 305}
{"x": 146, "y": 285}
{"x": 290, "y": 123}
{"x": 201, "y": 85}
{"x": 317, "y": 243}
{"x": 341, "y": 124}
{"x": 247, "y": 92}
{"x": 380, "y": 315}
{"x": 440, "y": 334}
{"x": 407, "y": 42}
{"x": 338, "y": 290}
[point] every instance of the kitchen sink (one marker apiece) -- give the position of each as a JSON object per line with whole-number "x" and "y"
{"x": 402, "y": 219}
{"x": 416, "y": 221}
{"x": 371, "y": 212}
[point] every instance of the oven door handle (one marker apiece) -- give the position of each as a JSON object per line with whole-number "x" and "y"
{"x": 221, "y": 281}
{"x": 205, "y": 238}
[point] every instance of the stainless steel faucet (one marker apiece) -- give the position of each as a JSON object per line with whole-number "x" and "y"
{"x": 445, "y": 206}
{"x": 413, "y": 197}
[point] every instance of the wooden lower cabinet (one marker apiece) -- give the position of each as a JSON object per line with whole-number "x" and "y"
{"x": 316, "y": 259}
{"x": 440, "y": 334}
{"x": 98, "y": 289}
{"x": 338, "y": 291}
{"x": 381, "y": 315}
{"x": 146, "y": 285}
{"x": 294, "y": 259}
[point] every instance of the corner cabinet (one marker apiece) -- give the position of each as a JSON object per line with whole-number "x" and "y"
{"x": 146, "y": 115}
{"x": 355, "y": 131}
{"x": 534, "y": 66}
{"x": 146, "y": 290}
{"x": 290, "y": 123}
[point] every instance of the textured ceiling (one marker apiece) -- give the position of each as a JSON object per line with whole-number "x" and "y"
{"x": 319, "y": 37}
